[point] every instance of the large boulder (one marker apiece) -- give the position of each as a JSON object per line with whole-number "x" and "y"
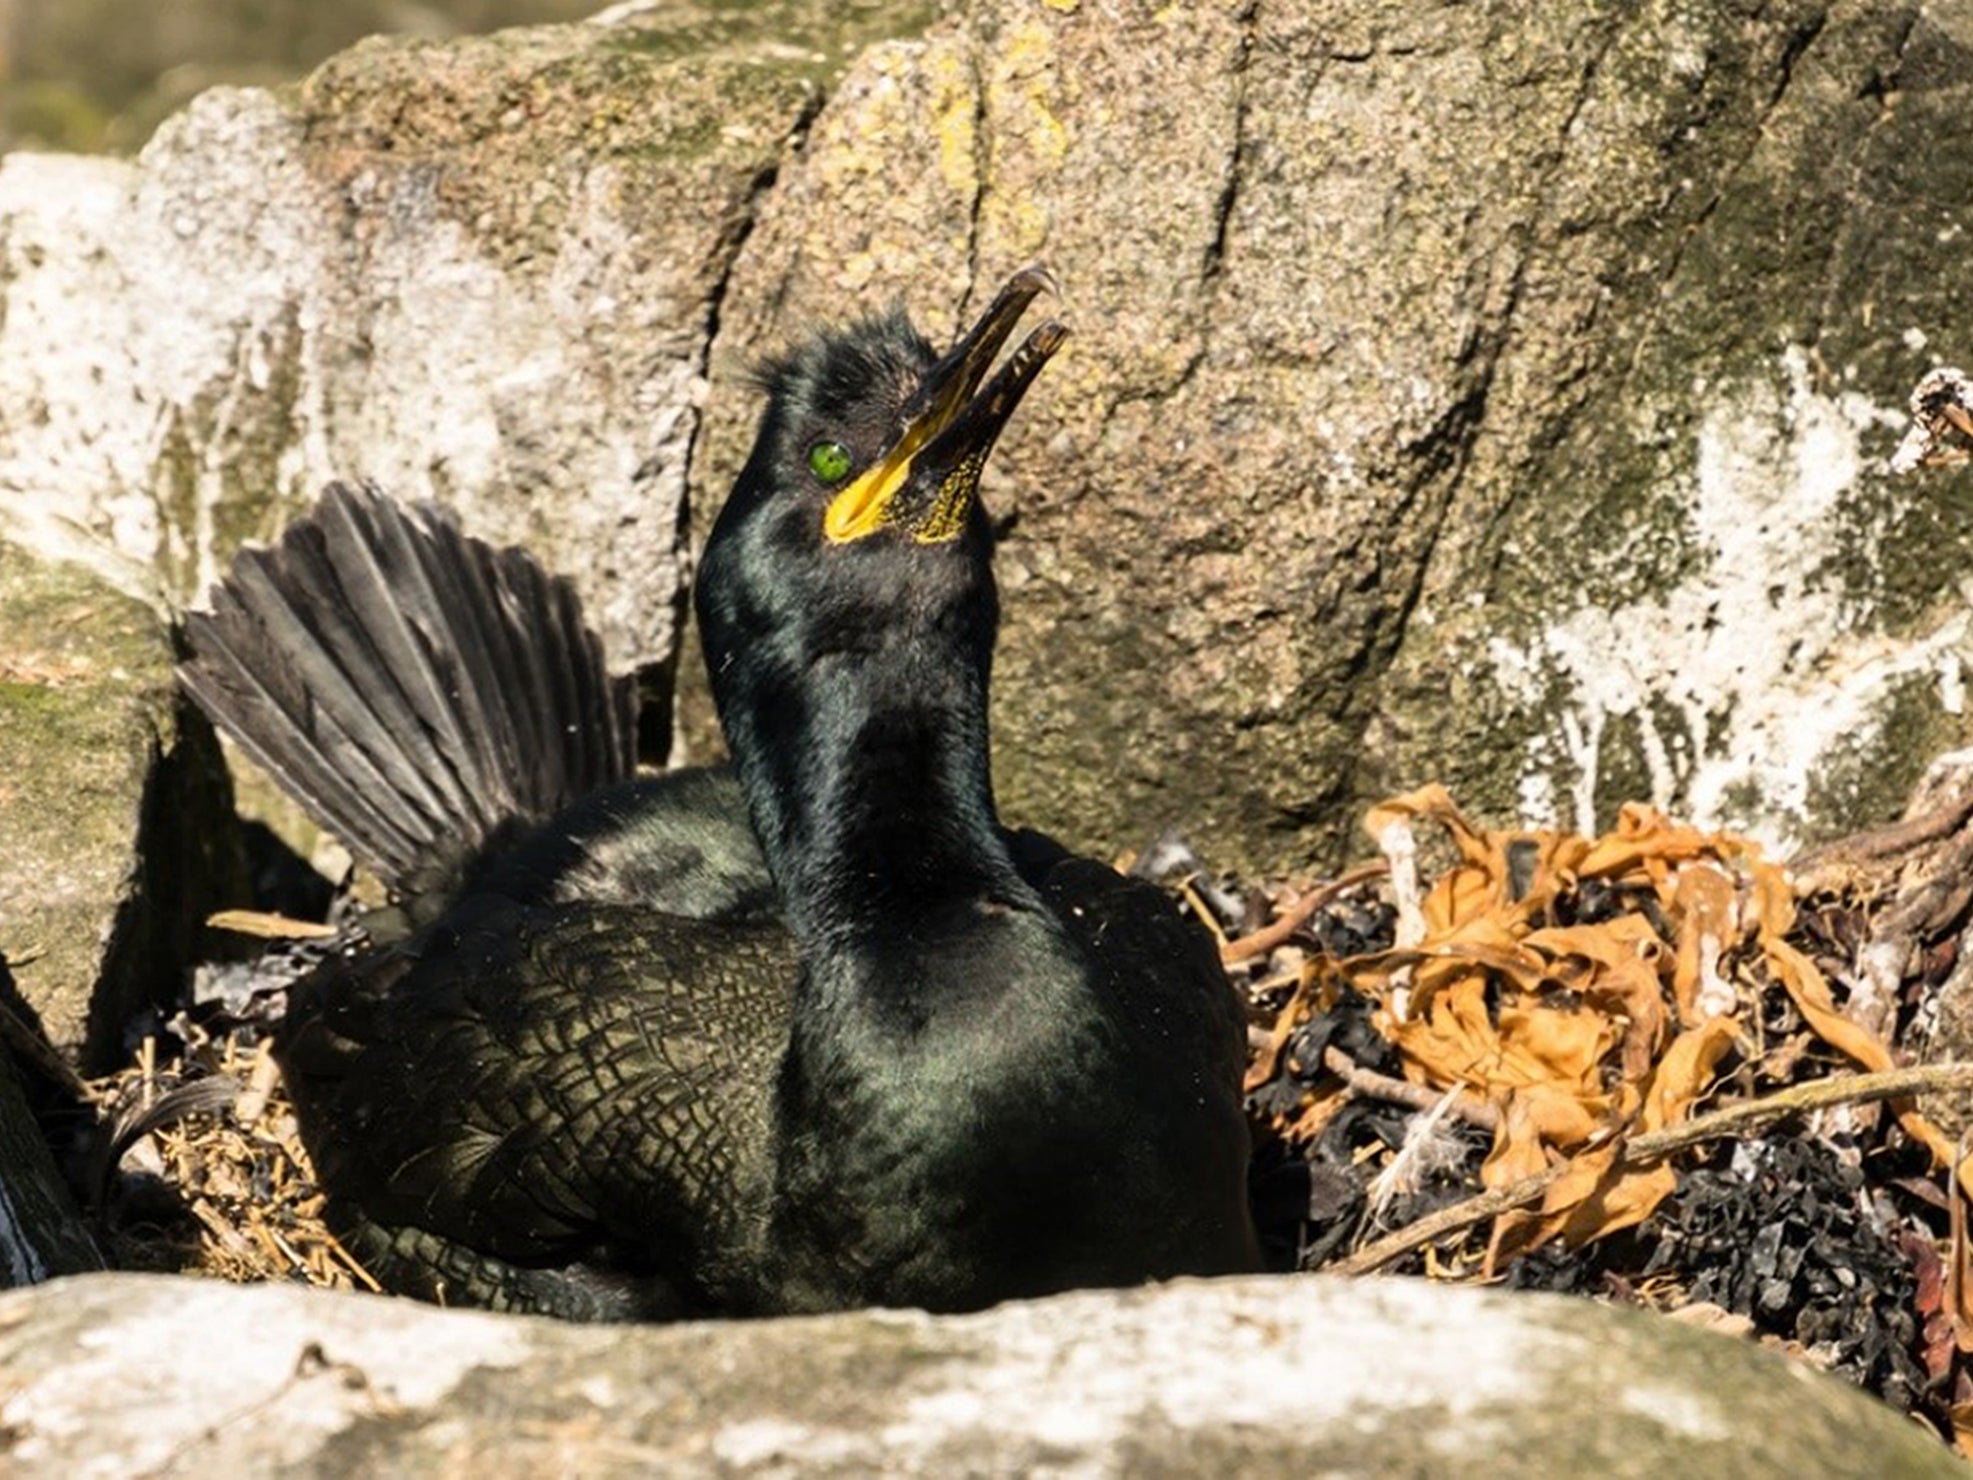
{"x": 1235, "y": 1377}
{"x": 1488, "y": 394}
{"x": 1493, "y": 395}
{"x": 486, "y": 270}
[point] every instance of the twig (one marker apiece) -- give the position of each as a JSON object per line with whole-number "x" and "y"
{"x": 1277, "y": 931}
{"x": 261, "y": 1084}
{"x": 351, "y": 1263}
{"x": 1920, "y": 909}
{"x": 1744, "y": 1115}
{"x": 1202, "y": 910}
{"x": 265, "y": 926}
{"x": 1878, "y": 843}
{"x": 1467, "y": 1107}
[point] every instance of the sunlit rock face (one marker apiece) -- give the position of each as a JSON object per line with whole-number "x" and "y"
{"x": 485, "y": 270}
{"x": 1487, "y": 396}
{"x": 1226, "y": 1377}
{"x": 1490, "y": 397}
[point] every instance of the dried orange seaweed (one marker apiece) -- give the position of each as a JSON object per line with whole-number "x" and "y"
{"x": 1581, "y": 1031}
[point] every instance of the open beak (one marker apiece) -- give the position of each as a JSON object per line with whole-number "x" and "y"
{"x": 928, "y": 475}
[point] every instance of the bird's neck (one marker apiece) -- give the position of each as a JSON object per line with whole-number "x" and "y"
{"x": 870, "y": 785}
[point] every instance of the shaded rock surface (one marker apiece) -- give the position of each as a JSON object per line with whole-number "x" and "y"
{"x": 1234, "y": 1377}
{"x": 41, "y": 1233}
{"x": 1483, "y": 394}
{"x": 116, "y": 819}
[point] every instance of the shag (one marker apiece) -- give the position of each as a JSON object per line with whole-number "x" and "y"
{"x": 809, "y": 1033}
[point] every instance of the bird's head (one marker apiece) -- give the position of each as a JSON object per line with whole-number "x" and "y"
{"x": 857, "y": 519}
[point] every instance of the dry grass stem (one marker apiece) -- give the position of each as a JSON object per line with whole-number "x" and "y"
{"x": 1743, "y": 1117}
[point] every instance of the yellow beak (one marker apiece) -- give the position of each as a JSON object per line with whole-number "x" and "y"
{"x": 946, "y": 423}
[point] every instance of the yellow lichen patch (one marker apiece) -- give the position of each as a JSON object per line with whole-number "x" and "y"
{"x": 1025, "y": 88}
{"x": 1020, "y": 228}
{"x": 955, "y": 105}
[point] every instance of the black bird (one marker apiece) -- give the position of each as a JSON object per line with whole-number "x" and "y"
{"x": 624, "y": 1060}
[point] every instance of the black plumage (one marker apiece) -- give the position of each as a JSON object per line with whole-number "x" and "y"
{"x": 421, "y": 694}
{"x": 816, "y": 1032}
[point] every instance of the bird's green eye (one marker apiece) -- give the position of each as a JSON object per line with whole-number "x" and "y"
{"x": 829, "y": 461}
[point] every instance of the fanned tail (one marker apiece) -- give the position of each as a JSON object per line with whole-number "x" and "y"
{"x": 416, "y": 690}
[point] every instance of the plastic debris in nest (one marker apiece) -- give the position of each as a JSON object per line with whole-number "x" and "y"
{"x": 1574, "y": 996}
{"x": 1941, "y": 430}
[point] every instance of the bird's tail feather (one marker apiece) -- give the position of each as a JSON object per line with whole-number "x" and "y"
{"x": 414, "y": 689}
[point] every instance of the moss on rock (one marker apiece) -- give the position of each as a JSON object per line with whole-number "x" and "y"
{"x": 115, "y": 819}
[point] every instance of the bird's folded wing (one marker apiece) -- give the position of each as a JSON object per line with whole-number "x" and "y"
{"x": 553, "y": 1078}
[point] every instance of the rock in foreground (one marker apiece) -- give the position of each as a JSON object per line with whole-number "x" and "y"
{"x": 1255, "y": 1376}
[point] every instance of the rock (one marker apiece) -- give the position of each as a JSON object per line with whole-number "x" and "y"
{"x": 484, "y": 269}
{"x": 1496, "y": 395}
{"x": 1256, "y": 1376}
{"x": 41, "y": 1232}
{"x": 116, "y": 820}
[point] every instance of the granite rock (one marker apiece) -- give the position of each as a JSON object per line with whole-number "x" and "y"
{"x": 1258, "y": 1376}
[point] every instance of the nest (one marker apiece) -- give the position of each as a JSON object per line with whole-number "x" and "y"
{"x": 202, "y": 1169}
{"x": 1654, "y": 1067}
